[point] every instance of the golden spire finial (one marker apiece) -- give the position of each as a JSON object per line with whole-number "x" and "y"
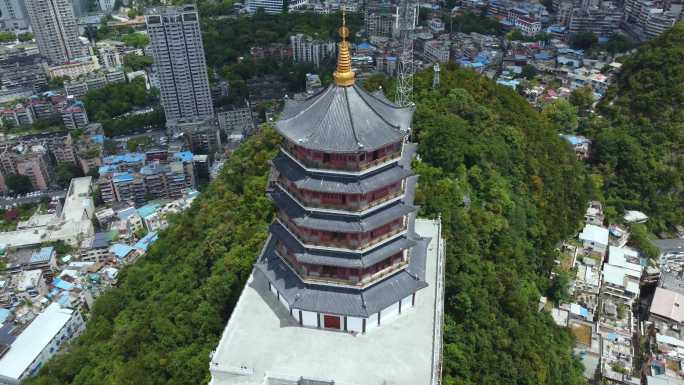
{"x": 344, "y": 76}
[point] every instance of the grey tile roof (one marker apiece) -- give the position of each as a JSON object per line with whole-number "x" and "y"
{"x": 335, "y": 222}
{"x": 338, "y": 300}
{"x": 338, "y": 258}
{"x": 311, "y": 181}
{"x": 675, "y": 245}
{"x": 342, "y": 120}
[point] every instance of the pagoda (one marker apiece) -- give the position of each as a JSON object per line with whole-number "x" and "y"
{"x": 342, "y": 253}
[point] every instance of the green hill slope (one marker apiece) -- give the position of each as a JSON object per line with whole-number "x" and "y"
{"x": 508, "y": 189}
{"x": 640, "y": 141}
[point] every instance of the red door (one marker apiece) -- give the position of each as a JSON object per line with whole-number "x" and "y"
{"x": 331, "y": 322}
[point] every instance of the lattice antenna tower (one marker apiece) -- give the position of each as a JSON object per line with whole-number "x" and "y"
{"x": 405, "y": 22}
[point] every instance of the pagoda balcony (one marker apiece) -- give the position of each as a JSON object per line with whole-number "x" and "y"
{"x": 344, "y": 202}
{"x": 337, "y": 240}
{"x": 351, "y": 162}
{"x": 349, "y": 277}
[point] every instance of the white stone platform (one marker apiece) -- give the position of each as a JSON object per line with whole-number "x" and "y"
{"x": 263, "y": 345}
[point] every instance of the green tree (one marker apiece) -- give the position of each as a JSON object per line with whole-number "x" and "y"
{"x": 582, "y": 98}
{"x": 136, "y": 39}
{"x": 19, "y": 184}
{"x": 561, "y": 114}
{"x": 6, "y": 37}
{"x": 529, "y": 72}
{"x": 640, "y": 239}
{"x": 65, "y": 172}
{"x": 584, "y": 40}
{"x": 25, "y": 36}
{"x": 135, "y": 62}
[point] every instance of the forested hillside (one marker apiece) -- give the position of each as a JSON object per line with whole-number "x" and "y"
{"x": 638, "y": 151}
{"x": 508, "y": 190}
{"x": 171, "y": 306}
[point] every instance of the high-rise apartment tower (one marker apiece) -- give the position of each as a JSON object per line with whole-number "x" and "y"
{"x": 55, "y": 29}
{"x": 179, "y": 62}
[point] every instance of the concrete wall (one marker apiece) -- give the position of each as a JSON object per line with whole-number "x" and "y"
{"x": 309, "y": 319}
{"x": 406, "y": 303}
{"x": 389, "y": 313}
{"x": 355, "y": 324}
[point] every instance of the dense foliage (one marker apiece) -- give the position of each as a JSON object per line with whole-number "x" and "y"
{"x": 167, "y": 313}
{"x": 112, "y": 104}
{"x": 508, "y": 189}
{"x": 640, "y": 136}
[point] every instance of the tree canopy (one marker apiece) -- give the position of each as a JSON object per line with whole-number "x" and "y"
{"x": 507, "y": 189}
{"x": 19, "y": 184}
{"x": 639, "y": 135}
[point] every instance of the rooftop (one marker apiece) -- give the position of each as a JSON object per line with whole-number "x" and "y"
{"x": 325, "y": 121}
{"x": 668, "y": 304}
{"x": 32, "y": 340}
{"x": 595, "y": 234}
{"x": 259, "y": 325}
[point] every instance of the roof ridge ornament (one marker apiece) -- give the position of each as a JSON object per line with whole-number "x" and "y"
{"x": 344, "y": 76}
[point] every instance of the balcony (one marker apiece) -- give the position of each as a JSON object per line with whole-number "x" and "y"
{"x": 345, "y": 205}
{"x": 364, "y": 281}
{"x": 346, "y": 244}
{"x": 354, "y": 163}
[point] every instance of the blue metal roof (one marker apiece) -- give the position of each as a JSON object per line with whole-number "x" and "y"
{"x": 43, "y": 255}
{"x": 145, "y": 242}
{"x": 97, "y": 138}
{"x": 126, "y": 213}
{"x": 185, "y": 156}
{"x": 121, "y": 250}
{"x": 4, "y": 314}
{"x": 131, "y": 157}
{"x": 148, "y": 209}
{"x": 120, "y": 177}
{"x": 61, "y": 284}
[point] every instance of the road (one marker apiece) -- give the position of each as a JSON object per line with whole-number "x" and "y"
{"x": 5, "y": 201}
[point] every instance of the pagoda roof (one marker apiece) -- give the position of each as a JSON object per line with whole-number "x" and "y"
{"x": 339, "y": 258}
{"x": 340, "y": 300}
{"x": 343, "y": 120}
{"x": 335, "y": 222}
{"x": 331, "y": 183}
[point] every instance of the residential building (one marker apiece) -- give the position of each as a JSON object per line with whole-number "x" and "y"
{"x": 128, "y": 178}
{"x": 236, "y": 123}
{"x": 308, "y": 50}
{"x": 176, "y": 45}
{"x": 621, "y": 275}
{"x": 379, "y": 21}
{"x": 75, "y": 68}
{"x": 74, "y": 115}
{"x": 13, "y": 16}
{"x": 18, "y": 115}
{"x": 594, "y": 239}
{"x": 95, "y": 248}
{"x": 601, "y": 21}
{"x": 31, "y": 162}
{"x": 667, "y": 307}
{"x": 22, "y": 69}
{"x": 55, "y": 30}
{"x": 41, "y": 340}
{"x": 80, "y": 86}
{"x": 439, "y": 50}
{"x": 269, "y": 6}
